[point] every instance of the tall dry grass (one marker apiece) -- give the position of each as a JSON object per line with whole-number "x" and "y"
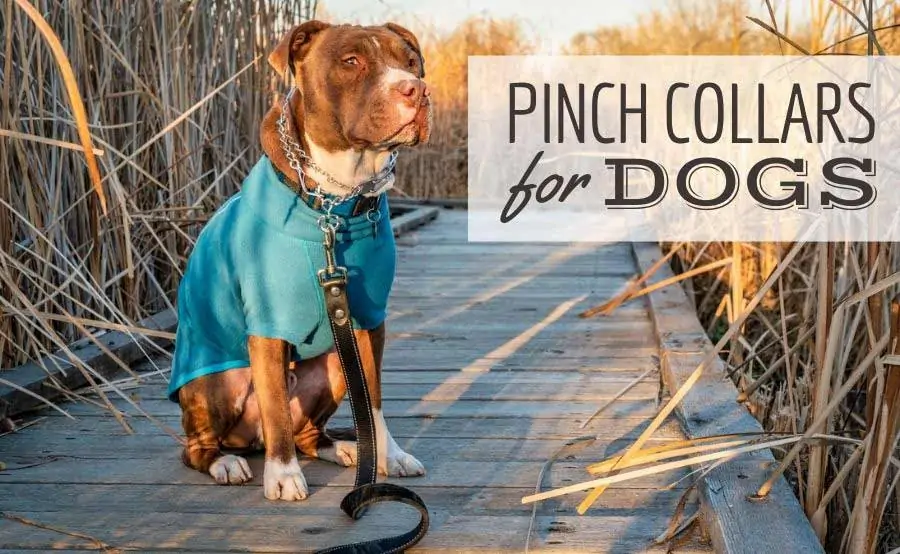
{"x": 173, "y": 94}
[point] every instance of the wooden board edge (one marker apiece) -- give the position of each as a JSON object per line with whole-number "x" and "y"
{"x": 736, "y": 524}
{"x": 413, "y": 219}
{"x": 446, "y": 203}
{"x": 127, "y": 347}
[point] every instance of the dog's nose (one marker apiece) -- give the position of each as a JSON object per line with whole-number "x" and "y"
{"x": 412, "y": 90}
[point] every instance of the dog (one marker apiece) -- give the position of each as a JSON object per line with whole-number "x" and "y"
{"x": 254, "y": 366}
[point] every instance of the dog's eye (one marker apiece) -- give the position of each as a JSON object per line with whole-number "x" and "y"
{"x": 351, "y": 60}
{"x": 412, "y": 63}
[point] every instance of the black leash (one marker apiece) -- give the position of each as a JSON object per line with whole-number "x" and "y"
{"x": 367, "y": 491}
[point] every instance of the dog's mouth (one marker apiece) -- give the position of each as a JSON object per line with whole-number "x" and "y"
{"x": 415, "y": 131}
{"x": 410, "y": 130}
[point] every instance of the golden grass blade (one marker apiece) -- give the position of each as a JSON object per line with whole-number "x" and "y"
{"x": 679, "y": 278}
{"x": 44, "y": 140}
{"x": 130, "y": 329}
{"x": 648, "y": 456}
{"x": 661, "y": 468}
{"x": 75, "y": 101}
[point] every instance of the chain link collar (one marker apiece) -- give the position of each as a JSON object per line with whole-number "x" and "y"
{"x": 297, "y": 158}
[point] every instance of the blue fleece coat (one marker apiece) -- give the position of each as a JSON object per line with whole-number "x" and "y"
{"x": 253, "y": 272}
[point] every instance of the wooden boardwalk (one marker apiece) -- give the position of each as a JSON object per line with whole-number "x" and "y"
{"x": 488, "y": 371}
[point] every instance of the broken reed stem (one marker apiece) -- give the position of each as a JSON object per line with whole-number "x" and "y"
{"x": 650, "y": 455}
{"x": 44, "y": 140}
{"x": 607, "y": 307}
{"x": 726, "y": 454}
{"x": 827, "y": 341}
{"x": 97, "y": 543}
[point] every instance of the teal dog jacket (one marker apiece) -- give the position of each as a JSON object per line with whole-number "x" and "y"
{"x": 253, "y": 272}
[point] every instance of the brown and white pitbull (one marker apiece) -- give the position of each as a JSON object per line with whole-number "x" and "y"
{"x": 360, "y": 95}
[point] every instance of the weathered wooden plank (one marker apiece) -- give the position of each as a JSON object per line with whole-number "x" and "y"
{"x": 581, "y": 341}
{"x": 501, "y": 250}
{"x": 553, "y": 359}
{"x": 561, "y": 429}
{"x": 583, "y": 391}
{"x": 295, "y": 531}
{"x": 560, "y": 289}
{"x": 480, "y": 308}
{"x": 581, "y": 268}
{"x": 512, "y": 327}
{"x": 737, "y": 525}
{"x": 131, "y": 447}
{"x": 548, "y": 298}
{"x": 434, "y": 409}
{"x": 413, "y": 219}
{"x": 442, "y": 472}
{"x": 624, "y": 362}
{"x": 188, "y": 499}
{"x": 154, "y": 384}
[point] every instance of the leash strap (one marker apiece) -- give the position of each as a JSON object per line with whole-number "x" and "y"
{"x": 333, "y": 280}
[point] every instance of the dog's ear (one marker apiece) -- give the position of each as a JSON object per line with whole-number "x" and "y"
{"x": 294, "y": 45}
{"x": 410, "y": 39}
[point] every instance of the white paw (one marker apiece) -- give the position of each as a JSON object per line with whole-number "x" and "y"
{"x": 230, "y": 470}
{"x": 343, "y": 453}
{"x": 284, "y": 481}
{"x": 400, "y": 464}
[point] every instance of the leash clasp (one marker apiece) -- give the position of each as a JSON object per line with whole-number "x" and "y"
{"x": 331, "y": 273}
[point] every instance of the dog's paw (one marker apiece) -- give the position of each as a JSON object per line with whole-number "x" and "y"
{"x": 400, "y": 464}
{"x": 284, "y": 481}
{"x": 230, "y": 470}
{"x": 343, "y": 453}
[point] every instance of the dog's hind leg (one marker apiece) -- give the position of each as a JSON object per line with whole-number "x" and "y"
{"x": 316, "y": 388}
{"x": 316, "y": 443}
{"x": 211, "y": 405}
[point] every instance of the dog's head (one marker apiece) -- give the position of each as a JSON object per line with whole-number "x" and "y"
{"x": 362, "y": 87}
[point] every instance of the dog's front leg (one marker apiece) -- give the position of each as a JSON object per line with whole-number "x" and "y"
{"x": 282, "y": 477}
{"x": 392, "y": 460}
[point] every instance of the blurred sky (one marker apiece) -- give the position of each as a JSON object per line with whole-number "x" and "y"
{"x": 552, "y": 22}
